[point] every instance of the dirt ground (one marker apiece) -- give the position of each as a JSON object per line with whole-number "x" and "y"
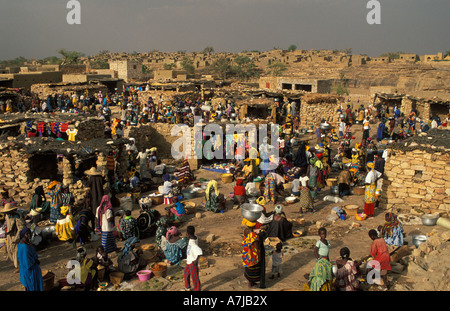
{"x": 225, "y": 271}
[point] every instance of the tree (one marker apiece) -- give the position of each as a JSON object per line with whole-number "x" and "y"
{"x": 222, "y": 66}
{"x": 447, "y": 54}
{"x": 70, "y": 57}
{"x": 292, "y": 48}
{"x": 168, "y": 66}
{"x": 276, "y": 69}
{"x": 208, "y": 50}
{"x": 347, "y": 51}
{"x": 244, "y": 68}
{"x": 187, "y": 65}
{"x": 99, "y": 64}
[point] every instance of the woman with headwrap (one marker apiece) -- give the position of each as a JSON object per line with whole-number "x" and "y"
{"x": 370, "y": 187}
{"x": 105, "y": 224}
{"x": 392, "y": 230}
{"x": 380, "y": 131}
{"x": 313, "y": 173}
{"x": 65, "y": 228}
{"x": 39, "y": 200}
{"x": 175, "y": 246}
{"x": 30, "y": 271}
{"x": 54, "y": 191}
{"x": 215, "y": 201}
{"x": 279, "y": 227}
{"x": 130, "y": 261}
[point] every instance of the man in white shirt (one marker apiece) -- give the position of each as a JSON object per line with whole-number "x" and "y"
{"x": 341, "y": 128}
{"x": 193, "y": 253}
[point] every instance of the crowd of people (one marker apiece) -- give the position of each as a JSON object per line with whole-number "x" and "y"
{"x": 303, "y": 164}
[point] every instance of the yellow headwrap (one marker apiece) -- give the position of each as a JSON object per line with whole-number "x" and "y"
{"x": 370, "y": 165}
{"x": 248, "y": 223}
{"x": 64, "y": 209}
{"x": 213, "y": 184}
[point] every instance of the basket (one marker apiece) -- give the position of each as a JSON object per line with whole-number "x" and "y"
{"x": 144, "y": 275}
{"x": 149, "y": 256}
{"x": 159, "y": 269}
{"x": 203, "y": 263}
{"x": 157, "y": 199}
{"x": 116, "y": 277}
{"x": 358, "y": 190}
{"x": 331, "y": 182}
{"x": 189, "y": 207}
{"x": 48, "y": 280}
{"x": 227, "y": 178}
{"x": 351, "y": 210}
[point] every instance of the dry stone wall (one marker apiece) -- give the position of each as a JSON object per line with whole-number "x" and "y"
{"x": 417, "y": 179}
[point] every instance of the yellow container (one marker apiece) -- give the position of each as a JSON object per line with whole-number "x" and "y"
{"x": 227, "y": 178}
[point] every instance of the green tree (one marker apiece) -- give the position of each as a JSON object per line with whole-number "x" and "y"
{"x": 208, "y": 50}
{"x": 70, "y": 57}
{"x": 222, "y": 66}
{"x": 99, "y": 64}
{"x": 447, "y": 53}
{"x": 168, "y": 66}
{"x": 292, "y": 48}
{"x": 244, "y": 68}
{"x": 187, "y": 65}
{"x": 276, "y": 69}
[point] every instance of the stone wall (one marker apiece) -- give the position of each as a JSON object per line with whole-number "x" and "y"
{"x": 315, "y": 107}
{"x": 417, "y": 179}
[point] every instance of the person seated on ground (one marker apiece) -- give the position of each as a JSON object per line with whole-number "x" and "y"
{"x": 38, "y": 200}
{"x": 344, "y": 180}
{"x": 239, "y": 192}
{"x": 392, "y": 230}
{"x": 347, "y": 272}
{"x": 237, "y": 171}
{"x": 279, "y": 227}
{"x": 248, "y": 171}
{"x": 130, "y": 260}
{"x": 88, "y": 276}
{"x": 184, "y": 174}
{"x": 177, "y": 210}
{"x": 128, "y": 226}
{"x": 215, "y": 201}
{"x": 102, "y": 260}
{"x": 175, "y": 248}
{"x": 65, "y": 228}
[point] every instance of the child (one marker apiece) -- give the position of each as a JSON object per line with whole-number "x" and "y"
{"x": 322, "y": 249}
{"x": 277, "y": 257}
{"x": 102, "y": 259}
{"x": 192, "y": 256}
{"x": 128, "y": 226}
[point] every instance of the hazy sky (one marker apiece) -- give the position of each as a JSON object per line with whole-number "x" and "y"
{"x": 38, "y": 28}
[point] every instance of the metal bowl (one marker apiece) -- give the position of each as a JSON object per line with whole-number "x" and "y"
{"x": 419, "y": 239}
{"x": 429, "y": 220}
{"x": 251, "y": 211}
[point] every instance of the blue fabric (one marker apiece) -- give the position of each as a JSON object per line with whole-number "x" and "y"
{"x": 128, "y": 247}
{"x": 30, "y": 271}
{"x": 109, "y": 241}
{"x": 174, "y": 251}
{"x": 180, "y": 208}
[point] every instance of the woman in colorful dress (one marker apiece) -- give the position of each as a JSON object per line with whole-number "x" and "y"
{"x": 270, "y": 188}
{"x": 306, "y": 201}
{"x": 251, "y": 257}
{"x": 54, "y": 191}
{"x": 369, "y": 194}
{"x": 176, "y": 246}
{"x": 392, "y": 230}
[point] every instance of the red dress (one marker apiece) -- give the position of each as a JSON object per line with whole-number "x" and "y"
{"x": 380, "y": 253}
